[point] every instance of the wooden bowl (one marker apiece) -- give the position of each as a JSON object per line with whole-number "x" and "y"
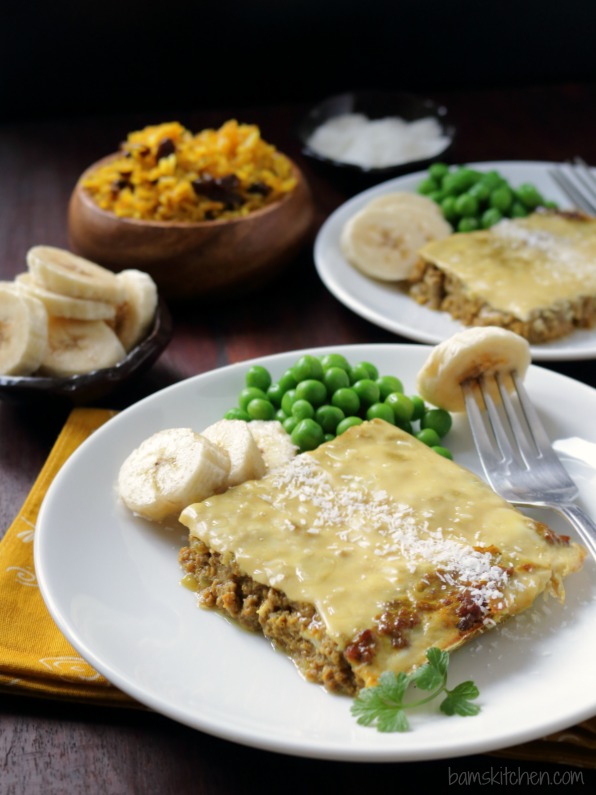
{"x": 194, "y": 260}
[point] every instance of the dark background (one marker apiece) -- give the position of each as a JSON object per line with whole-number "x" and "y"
{"x": 77, "y": 57}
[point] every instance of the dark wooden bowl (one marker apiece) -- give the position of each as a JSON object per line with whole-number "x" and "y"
{"x": 194, "y": 260}
{"x": 87, "y": 388}
{"x": 375, "y": 105}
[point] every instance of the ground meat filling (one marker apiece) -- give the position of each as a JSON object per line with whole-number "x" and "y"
{"x": 295, "y": 628}
{"x": 438, "y": 290}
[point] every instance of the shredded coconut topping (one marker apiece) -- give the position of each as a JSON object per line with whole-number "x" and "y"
{"x": 404, "y": 533}
{"x": 558, "y": 248}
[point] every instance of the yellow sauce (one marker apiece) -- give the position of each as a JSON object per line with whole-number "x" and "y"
{"x": 523, "y": 266}
{"x": 371, "y": 518}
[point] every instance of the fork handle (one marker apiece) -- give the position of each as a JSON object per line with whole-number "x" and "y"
{"x": 581, "y": 522}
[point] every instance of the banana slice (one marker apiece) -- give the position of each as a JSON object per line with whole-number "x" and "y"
{"x": 383, "y": 241}
{"x": 233, "y": 436}
{"x": 23, "y": 331}
{"x": 66, "y": 306}
{"x": 273, "y": 441}
{"x": 61, "y": 271}
{"x": 468, "y": 354}
{"x": 171, "y": 469}
{"x": 79, "y": 346}
{"x": 137, "y": 310}
{"x": 413, "y": 202}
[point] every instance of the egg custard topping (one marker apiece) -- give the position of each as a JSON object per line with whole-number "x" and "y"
{"x": 357, "y": 557}
{"x": 534, "y": 275}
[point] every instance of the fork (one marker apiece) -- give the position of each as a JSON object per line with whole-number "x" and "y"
{"x": 516, "y": 454}
{"x": 578, "y": 183}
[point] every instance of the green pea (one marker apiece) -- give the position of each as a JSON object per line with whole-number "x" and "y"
{"x": 307, "y": 366}
{"x": 368, "y": 391}
{"x": 287, "y": 380}
{"x": 419, "y": 407}
{"x": 250, "y": 393}
{"x": 380, "y": 411}
{"x": 401, "y": 406}
{"x": 280, "y": 415}
{"x": 335, "y": 378}
{"x": 307, "y": 435}
{"x": 437, "y": 419}
{"x": 467, "y": 224}
{"x": 451, "y": 184}
{"x": 335, "y": 360}
{"x": 312, "y": 390}
{"x": 388, "y": 384}
{"x": 501, "y": 198}
{"x": 329, "y": 417}
{"x": 287, "y": 401}
{"x": 428, "y": 185}
{"x": 259, "y": 409}
{"x": 347, "y": 400}
{"x": 275, "y": 393}
{"x": 278, "y": 389}
{"x": 348, "y": 422}
{"x": 237, "y": 414}
{"x": 480, "y": 191}
{"x": 442, "y": 451}
{"x": 290, "y": 423}
{"x": 328, "y": 437}
{"x": 429, "y": 437}
{"x": 529, "y": 195}
{"x": 448, "y": 208}
{"x": 490, "y": 217}
{"x": 405, "y": 425}
{"x": 438, "y": 170}
{"x": 466, "y": 205}
{"x": 459, "y": 181}
{"x": 364, "y": 370}
{"x": 258, "y": 376}
{"x": 471, "y": 176}
{"x": 492, "y": 179}
{"x": 518, "y": 210}
{"x": 302, "y": 409}
{"x": 437, "y": 196}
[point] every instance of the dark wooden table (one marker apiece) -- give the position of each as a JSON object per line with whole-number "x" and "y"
{"x": 61, "y": 748}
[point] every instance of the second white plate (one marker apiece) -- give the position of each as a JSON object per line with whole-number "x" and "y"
{"x": 390, "y": 308}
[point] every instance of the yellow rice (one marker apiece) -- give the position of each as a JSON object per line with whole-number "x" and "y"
{"x": 165, "y": 173}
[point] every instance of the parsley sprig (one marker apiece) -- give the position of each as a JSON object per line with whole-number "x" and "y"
{"x": 384, "y": 705}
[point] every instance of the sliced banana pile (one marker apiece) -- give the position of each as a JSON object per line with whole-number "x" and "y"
{"x": 176, "y": 467}
{"x": 383, "y": 239}
{"x": 67, "y": 315}
{"x": 476, "y": 351}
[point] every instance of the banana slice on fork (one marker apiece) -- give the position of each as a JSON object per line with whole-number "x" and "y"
{"x": 476, "y": 351}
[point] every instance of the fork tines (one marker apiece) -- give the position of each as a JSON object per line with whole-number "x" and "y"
{"x": 516, "y": 454}
{"x": 505, "y": 425}
{"x": 577, "y": 181}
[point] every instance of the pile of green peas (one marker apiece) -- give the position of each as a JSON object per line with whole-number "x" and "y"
{"x": 320, "y": 397}
{"x": 472, "y": 200}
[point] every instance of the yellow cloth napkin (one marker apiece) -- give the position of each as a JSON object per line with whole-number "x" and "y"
{"x": 35, "y": 658}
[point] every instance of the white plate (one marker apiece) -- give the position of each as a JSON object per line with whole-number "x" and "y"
{"x": 111, "y": 582}
{"x": 387, "y": 306}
